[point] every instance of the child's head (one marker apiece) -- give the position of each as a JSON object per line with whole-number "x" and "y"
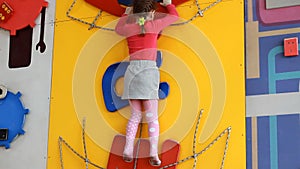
{"x": 144, "y": 10}
{"x": 142, "y": 6}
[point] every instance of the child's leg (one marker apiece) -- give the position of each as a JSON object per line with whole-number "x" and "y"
{"x": 151, "y": 108}
{"x": 132, "y": 127}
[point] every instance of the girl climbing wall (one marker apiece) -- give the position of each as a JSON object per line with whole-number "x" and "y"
{"x": 142, "y": 75}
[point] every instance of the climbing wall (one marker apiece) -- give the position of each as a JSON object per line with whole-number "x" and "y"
{"x": 26, "y": 43}
{"x": 202, "y": 66}
{"x": 273, "y": 76}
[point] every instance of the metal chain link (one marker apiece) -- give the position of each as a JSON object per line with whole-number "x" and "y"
{"x": 85, "y": 158}
{"x": 194, "y": 156}
{"x": 195, "y": 138}
{"x": 211, "y": 5}
{"x": 95, "y": 20}
{"x": 199, "y": 12}
{"x": 60, "y": 140}
{"x": 198, "y": 7}
{"x": 226, "y": 147}
{"x": 93, "y": 25}
{"x": 84, "y": 145}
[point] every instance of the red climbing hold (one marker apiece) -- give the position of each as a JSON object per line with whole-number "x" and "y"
{"x": 170, "y": 152}
{"x": 113, "y": 7}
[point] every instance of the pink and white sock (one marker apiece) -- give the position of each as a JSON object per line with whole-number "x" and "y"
{"x": 151, "y": 115}
{"x": 151, "y": 108}
{"x": 132, "y": 127}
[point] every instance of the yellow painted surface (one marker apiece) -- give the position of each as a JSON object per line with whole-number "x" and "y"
{"x": 203, "y": 62}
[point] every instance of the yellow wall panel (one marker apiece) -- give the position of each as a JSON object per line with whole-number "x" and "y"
{"x": 203, "y": 62}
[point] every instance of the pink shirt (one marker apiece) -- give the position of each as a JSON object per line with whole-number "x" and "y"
{"x": 145, "y": 47}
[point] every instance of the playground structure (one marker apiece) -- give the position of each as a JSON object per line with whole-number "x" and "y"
{"x": 71, "y": 79}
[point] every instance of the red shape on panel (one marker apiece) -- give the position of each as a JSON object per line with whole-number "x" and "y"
{"x": 113, "y": 7}
{"x": 291, "y": 46}
{"x": 110, "y": 6}
{"x": 170, "y": 152}
{"x": 5, "y": 12}
{"x": 25, "y": 13}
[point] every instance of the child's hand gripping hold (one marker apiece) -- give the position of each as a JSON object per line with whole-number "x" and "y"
{"x": 166, "y": 2}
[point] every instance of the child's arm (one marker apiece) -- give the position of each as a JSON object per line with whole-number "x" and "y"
{"x": 172, "y": 10}
{"x": 121, "y": 25}
{"x": 171, "y": 17}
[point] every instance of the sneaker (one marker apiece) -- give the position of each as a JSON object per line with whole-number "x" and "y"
{"x": 127, "y": 158}
{"x": 154, "y": 161}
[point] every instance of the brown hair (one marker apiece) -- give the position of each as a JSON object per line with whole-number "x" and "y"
{"x": 142, "y": 6}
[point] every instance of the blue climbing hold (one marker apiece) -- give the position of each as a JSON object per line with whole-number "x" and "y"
{"x": 112, "y": 101}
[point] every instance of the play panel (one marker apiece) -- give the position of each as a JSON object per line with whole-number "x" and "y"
{"x": 201, "y": 111}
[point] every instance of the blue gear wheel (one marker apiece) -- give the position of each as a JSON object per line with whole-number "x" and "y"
{"x": 12, "y": 118}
